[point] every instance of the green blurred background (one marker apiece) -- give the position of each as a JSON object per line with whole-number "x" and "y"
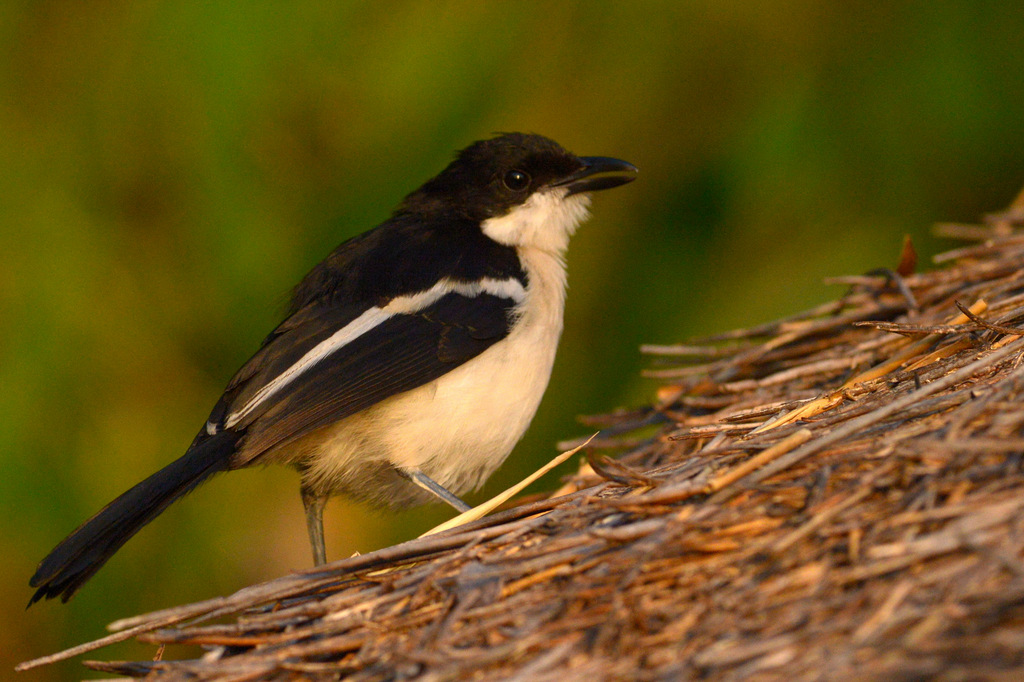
{"x": 170, "y": 169}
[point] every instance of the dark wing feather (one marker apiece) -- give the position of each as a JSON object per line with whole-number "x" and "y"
{"x": 401, "y": 353}
{"x": 292, "y": 339}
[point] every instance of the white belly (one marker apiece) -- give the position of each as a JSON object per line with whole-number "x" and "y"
{"x": 457, "y": 429}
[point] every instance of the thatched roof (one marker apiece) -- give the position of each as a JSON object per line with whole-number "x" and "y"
{"x": 837, "y": 495}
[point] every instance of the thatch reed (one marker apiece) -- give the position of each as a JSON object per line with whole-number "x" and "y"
{"x": 836, "y": 495}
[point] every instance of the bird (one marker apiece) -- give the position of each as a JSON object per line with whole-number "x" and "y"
{"x": 411, "y": 359}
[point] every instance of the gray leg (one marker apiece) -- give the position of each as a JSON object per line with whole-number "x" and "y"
{"x": 314, "y": 505}
{"x": 433, "y": 487}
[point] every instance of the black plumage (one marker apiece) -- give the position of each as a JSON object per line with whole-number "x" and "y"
{"x": 84, "y": 552}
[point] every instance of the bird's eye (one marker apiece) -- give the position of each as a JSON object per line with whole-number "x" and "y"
{"x": 516, "y": 180}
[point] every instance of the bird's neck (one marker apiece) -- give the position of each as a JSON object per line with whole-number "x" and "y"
{"x": 546, "y": 283}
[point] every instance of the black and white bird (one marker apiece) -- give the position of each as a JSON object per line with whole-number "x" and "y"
{"x": 412, "y": 358}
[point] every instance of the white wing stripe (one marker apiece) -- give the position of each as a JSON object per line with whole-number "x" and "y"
{"x": 402, "y": 305}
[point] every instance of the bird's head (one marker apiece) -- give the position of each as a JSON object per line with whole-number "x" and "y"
{"x": 523, "y": 190}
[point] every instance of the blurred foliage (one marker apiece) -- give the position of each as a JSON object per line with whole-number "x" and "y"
{"x": 171, "y": 169}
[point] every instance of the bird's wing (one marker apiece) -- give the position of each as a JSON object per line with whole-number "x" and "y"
{"x": 326, "y": 365}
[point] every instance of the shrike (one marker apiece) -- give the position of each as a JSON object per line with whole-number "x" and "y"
{"x": 412, "y": 358}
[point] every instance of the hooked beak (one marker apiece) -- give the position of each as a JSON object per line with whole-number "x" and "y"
{"x": 598, "y": 172}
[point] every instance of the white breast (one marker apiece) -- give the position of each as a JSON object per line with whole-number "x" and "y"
{"x": 480, "y": 410}
{"x": 459, "y": 428}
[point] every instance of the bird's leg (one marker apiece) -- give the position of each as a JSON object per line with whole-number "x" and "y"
{"x": 432, "y": 486}
{"x": 314, "y": 505}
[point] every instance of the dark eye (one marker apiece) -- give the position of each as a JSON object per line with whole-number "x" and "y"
{"x": 516, "y": 180}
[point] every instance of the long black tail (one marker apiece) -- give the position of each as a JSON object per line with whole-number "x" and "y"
{"x": 82, "y": 553}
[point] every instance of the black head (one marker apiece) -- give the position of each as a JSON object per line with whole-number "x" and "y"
{"x": 491, "y": 177}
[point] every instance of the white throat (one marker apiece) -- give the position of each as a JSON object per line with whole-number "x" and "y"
{"x": 544, "y": 222}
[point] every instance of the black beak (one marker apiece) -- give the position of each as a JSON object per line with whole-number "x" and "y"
{"x": 593, "y": 175}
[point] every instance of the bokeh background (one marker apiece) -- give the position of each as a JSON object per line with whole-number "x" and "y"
{"x": 169, "y": 170}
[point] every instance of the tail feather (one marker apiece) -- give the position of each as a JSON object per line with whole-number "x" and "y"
{"x": 84, "y": 552}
